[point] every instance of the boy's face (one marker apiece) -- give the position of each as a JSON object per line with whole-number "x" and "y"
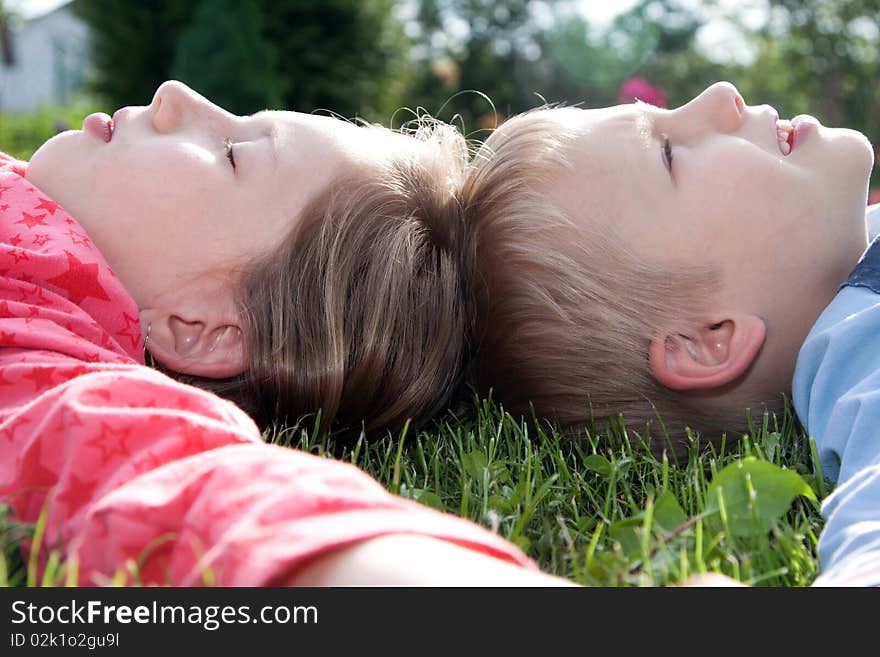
{"x": 783, "y": 230}
{"x": 162, "y": 201}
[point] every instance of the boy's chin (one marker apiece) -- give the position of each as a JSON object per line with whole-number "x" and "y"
{"x": 856, "y": 153}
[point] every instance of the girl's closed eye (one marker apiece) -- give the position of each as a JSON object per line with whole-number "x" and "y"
{"x": 229, "y": 154}
{"x": 667, "y": 153}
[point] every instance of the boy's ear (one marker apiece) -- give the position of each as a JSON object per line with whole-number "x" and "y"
{"x": 203, "y": 343}
{"x": 709, "y": 356}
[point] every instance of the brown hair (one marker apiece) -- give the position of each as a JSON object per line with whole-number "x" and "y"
{"x": 564, "y": 317}
{"x": 359, "y": 313}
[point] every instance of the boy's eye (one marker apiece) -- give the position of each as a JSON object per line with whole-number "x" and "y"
{"x": 667, "y": 153}
{"x": 229, "y": 154}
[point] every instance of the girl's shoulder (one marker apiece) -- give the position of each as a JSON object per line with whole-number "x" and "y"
{"x": 7, "y": 163}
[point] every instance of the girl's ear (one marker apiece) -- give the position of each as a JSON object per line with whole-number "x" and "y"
{"x": 712, "y": 355}
{"x": 201, "y": 337}
{"x": 191, "y": 346}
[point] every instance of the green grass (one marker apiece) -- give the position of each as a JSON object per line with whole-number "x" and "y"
{"x": 595, "y": 508}
{"x": 22, "y": 134}
{"x": 600, "y": 509}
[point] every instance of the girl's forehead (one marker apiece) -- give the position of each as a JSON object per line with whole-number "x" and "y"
{"x": 335, "y": 128}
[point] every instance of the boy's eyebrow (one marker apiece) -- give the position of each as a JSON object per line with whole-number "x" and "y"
{"x": 644, "y": 122}
{"x": 646, "y": 128}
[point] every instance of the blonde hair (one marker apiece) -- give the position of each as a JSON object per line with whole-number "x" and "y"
{"x": 565, "y": 314}
{"x": 359, "y": 314}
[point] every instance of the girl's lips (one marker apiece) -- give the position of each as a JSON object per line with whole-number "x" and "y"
{"x": 99, "y": 125}
{"x": 804, "y": 125}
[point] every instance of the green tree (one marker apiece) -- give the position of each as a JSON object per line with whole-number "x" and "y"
{"x": 521, "y": 53}
{"x": 132, "y": 45}
{"x": 487, "y": 46}
{"x": 7, "y": 56}
{"x": 347, "y": 56}
{"x": 243, "y": 75}
{"x": 655, "y": 39}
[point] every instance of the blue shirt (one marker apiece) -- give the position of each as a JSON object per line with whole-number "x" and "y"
{"x": 836, "y": 394}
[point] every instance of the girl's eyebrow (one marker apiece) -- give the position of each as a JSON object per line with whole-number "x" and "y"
{"x": 273, "y": 138}
{"x": 272, "y": 131}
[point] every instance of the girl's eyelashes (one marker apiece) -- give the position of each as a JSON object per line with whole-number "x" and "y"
{"x": 229, "y": 154}
{"x": 667, "y": 153}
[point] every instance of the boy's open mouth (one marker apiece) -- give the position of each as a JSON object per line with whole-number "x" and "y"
{"x": 784, "y": 133}
{"x": 791, "y": 134}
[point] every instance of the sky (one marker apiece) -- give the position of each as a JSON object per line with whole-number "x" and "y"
{"x": 28, "y": 8}
{"x": 601, "y": 13}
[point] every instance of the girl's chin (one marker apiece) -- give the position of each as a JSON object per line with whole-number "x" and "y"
{"x": 57, "y": 160}
{"x": 55, "y": 154}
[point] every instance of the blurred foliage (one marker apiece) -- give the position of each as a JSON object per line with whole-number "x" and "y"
{"x": 343, "y": 55}
{"x": 6, "y": 19}
{"x": 350, "y": 57}
{"x": 243, "y": 75}
{"x": 522, "y": 53}
{"x": 133, "y": 45}
{"x": 481, "y": 46}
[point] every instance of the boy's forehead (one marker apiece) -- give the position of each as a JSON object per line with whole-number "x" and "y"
{"x": 610, "y": 157}
{"x": 613, "y": 144}
{"x": 619, "y": 121}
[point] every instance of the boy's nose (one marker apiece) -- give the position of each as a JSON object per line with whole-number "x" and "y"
{"x": 720, "y": 106}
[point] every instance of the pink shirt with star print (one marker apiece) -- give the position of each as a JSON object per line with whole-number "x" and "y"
{"x": 132, "y": 467}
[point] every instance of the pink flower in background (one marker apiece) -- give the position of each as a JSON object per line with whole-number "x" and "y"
{"x": 874, "y": 196}
{"x": 639, "y": 88}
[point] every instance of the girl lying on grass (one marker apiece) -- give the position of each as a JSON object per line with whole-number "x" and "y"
{"x": 688, "y": 264}
{"x": 289, "y": 262}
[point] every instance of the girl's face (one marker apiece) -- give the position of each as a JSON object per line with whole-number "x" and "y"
{"x": 784, "y": 230}
{"x": 165, "y": 204}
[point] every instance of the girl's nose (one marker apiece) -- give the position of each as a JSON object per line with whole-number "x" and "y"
{"x": 173, "y": 104}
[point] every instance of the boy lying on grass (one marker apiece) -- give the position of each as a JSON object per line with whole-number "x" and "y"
{"x": 687, "y": 265}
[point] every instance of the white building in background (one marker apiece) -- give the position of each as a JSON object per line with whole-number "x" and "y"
{"x": 50, "y": 61}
